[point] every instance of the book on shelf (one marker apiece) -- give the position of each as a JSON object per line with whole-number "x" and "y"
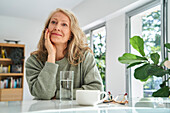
{"x": 11, "y": 82}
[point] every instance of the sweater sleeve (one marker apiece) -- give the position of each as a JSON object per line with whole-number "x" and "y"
{"x": 41, "y": 78}
{"x": 92, "y": 78}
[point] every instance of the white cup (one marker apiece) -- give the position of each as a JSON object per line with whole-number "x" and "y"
{"x": 89, "y": 97}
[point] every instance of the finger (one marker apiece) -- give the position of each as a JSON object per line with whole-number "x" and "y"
{"x": 46, "y": 32}
{"x": 48, "y": 36}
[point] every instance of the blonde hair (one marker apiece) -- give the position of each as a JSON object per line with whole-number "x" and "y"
{"x": 76, "y": 46}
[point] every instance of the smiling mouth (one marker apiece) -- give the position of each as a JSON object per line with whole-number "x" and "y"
{"x": 56, "y": 34}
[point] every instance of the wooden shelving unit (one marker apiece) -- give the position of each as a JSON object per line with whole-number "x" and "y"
{"x": 11, "y": 94}
{"x": 5, "y": 60}
{"x": 11, "y": 74}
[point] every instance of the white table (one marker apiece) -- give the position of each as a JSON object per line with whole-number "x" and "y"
{"x": 137, "y": 105}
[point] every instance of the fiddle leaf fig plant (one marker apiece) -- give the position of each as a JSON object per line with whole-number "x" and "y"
{"x": 147, "y": 67}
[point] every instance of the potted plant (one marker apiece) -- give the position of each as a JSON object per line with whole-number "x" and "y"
{"x": 147, "y": 66}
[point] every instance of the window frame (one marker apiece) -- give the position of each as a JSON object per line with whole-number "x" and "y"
{"x": 164, "y": 36}
{"x": 90, "y": 31}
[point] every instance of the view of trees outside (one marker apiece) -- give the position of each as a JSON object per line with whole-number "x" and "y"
{"x": 151, "y": 33}
{"x": 88, "y": 39}
{"x": 99, "y": 50}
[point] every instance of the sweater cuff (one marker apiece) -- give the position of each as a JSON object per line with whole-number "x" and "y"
{"x": 51, "y": 67}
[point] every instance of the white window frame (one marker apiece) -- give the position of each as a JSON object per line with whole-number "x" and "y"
{"x": 90, "y": 31}
{"x": 164, "y": 36}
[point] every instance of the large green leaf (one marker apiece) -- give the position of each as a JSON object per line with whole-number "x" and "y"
{"x": 167, "y": 45}
{"x": 155, "y": 58}
{"x": 156, "y": 71}
{"x": 163, "y": 84}
{"x": 134, "y": 64}
{"x": 141, "y": 72}
{"x": 129, "y": 58}
{"x": 144, "y": 80}
{"x": 138, "y": 44}
{"x": 163, "y": 92}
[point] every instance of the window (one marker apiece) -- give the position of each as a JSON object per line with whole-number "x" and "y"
{"x": 146, "y": 22}
{"x": 88, "y": 39}
{"x": 96, "y": 39}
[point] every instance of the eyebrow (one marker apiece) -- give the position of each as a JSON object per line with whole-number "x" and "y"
{"x": 61, "y": 20}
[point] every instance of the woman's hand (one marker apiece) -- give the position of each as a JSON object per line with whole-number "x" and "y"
{"x": 50, "y": 47}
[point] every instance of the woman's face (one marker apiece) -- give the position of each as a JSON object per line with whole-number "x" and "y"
{"x": 59, "y": 28}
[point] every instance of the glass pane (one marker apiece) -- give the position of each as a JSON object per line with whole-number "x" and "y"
{"x": 99, "y": 49}
{"x": 147, "y": 25}
{"x": 88, "y": 39}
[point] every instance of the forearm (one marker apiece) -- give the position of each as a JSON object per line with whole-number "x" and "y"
{"x": 44, "y": 87}
{"x": 42, "y": 84}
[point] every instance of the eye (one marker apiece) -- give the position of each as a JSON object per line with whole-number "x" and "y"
{"x": 53, "y": 22}
{"x": 64, "y": 24}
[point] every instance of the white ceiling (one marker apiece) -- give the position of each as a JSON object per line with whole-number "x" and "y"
{"x": 34, "y": 9}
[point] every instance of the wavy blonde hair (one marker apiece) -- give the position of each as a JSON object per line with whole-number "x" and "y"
{"x": 75, "y": 47}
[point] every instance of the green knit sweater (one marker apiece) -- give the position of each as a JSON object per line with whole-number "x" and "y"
{"x": 44, "y": 77}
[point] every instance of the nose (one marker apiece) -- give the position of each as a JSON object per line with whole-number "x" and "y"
{"x": 57, "y": 27}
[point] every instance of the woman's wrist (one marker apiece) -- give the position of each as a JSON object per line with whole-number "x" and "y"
{"x": 51, "y": 58}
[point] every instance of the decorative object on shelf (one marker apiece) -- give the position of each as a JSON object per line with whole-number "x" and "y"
{"x": 16, "y": 56}
{"x": 16, "y": 68}
{"x": 16, "y": 41}
{"x": 9, "y": 68}
{"x": 1, "y": 68}
{"x": 3, "y": 53}
{"x": 5, "y": 70}
{"x": 148, "y": 69}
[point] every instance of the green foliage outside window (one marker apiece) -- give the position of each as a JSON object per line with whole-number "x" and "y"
{"x": 100, "y": 57}
{"x": 151, "y": 33}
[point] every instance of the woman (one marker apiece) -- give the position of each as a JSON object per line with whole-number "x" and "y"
{"x": 62, "y": 47}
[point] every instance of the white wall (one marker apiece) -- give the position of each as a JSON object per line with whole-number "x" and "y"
{"x": 91, "y": 10}
{"x": 27, "y": 31}
{"x": 115, "y": 47}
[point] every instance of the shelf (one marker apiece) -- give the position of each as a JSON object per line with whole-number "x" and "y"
{"x": 11, "y": 45}
{"x": 10, "y": 89}
{"x": 11, "y": 74}
{"x": 5, "y": 60}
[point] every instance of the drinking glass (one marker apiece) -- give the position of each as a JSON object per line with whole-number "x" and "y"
{"x": 66, "y": 85}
